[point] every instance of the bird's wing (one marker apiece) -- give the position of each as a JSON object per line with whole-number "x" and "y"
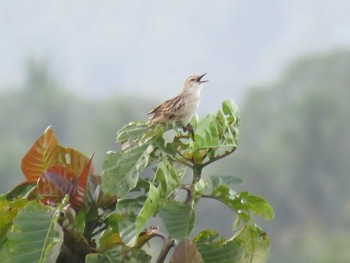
{"x": 167, "y": 110}
{"x": 168, "y": 107}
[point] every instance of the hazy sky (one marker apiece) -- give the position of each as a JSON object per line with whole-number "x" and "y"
{"x": 150, "y": 47}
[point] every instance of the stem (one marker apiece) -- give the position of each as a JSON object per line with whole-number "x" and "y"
{"x": 182, "y": 162}
{"x": 189, "y": 193}
{"x": 218, "y": 158}
{"x": 197, "y": 172}
{"x": 161, "y": 235}
{"x": 168, "y": 244}
{"x": 179, "y": 153}
{"x": 147, "y": 235}
{"x": 216, "y": 198}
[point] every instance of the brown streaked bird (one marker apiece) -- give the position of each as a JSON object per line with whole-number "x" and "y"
{"x": 182, "y": 107}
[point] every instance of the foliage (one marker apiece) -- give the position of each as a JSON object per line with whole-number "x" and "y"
{"x": 293, "y": 149}
{"x": 64, "y": 212}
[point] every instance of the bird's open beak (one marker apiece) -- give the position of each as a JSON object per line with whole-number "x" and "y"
{"x": 200, "y": 77}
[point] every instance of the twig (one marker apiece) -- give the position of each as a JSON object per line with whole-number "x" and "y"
{"x": 181, "y": 162}
{"x": 189, "y": 193}
{"x": 168, "y": 244}
{"x": 184, "y": 157}
{"x": 161, "y": 235}
{"x": 197, "y": 172}
{"x": 218, "y": 158}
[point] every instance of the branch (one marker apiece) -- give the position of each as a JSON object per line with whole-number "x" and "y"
{"x": 189, "y": 193}
{"x": 161, "y": 235}
{"x": 168, "y": 244}
{"x": 197, "y": 172}
{"x": 185, "y": 158}
{"x": 217, "y": 158}
{"x": 182, "y": 162}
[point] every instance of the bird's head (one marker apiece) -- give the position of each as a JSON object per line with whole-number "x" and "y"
{"x": 194, "y": 83}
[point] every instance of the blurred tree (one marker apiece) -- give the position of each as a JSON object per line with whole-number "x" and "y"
{"x": 294, "y": 147}
{"x": 294, "y": 150}
{"x": 40, "y": 101}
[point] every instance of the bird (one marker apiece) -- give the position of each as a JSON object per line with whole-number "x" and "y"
{"x": 182, "y": 107}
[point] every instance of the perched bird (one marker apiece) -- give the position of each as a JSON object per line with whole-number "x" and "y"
{"x": 182, "y": 107}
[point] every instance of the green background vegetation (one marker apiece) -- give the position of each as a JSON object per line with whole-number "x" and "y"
{"x": 293, "y": 149}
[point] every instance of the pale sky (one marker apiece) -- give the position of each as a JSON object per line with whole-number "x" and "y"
{"x": 149, "y": 47}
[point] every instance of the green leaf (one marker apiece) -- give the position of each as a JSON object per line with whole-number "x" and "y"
{"x": 225, "y": 180}
{"x": 227, "y": 133}
{"x": 218, "y": 250}
{"x": 258, "y": 206}
{"x": 149, "y": 208}
{"x": 229, "y": 122}
{"x": 219, "y": 132}
{"x": 119, "y": 254}
{"x": 113, "y": 222}
{"x": 121, "y": 170}
{"x": 34, "y": 236}
{"x": 229, "y": 108}
{"x": 243, "y": 204}
{"x": 256, "y": 243}
{"x": 178, "y": 218}
{"x": 168, "y": 177}
{"x": 126, "y": 206}
{"x": 127, "y": 211}
{"x": 137, "y": 134}
{"x": 109, "y": 238}
{"x": 8, "y": 211}
{"x": 80, "y": 220}
{"x": 127, "y": 228}
{"x": 225, "y": 195}
{"x": 208, "y": 236}
{"x": 186, "y": 252}
{"x": 130, "y": 221}
{"x": 206, "y": 134}
{"x": 21, "y": 190}
{"x": 131, "y": 131}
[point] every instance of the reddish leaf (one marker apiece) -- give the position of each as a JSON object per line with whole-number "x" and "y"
{"x": 73, "y": 159}
{"x": 40, "y": 156}
{"x": 52, "y": 187}
{"x": 78, "y": 198}
{"x": 186, "y": 252}
{"x": 60, "y": 182}
{"x": 46, "y": 152}
{"x": 57, "y": 170}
